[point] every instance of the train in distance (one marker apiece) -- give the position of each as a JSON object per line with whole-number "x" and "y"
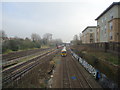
{"x": 59, "y": 46}
{"x": 64, "y": 52}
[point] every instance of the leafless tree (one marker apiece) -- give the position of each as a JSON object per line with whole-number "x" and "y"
{"x": 47, "y": 37}
{"x": 75, "y": 38}
{"x": 3, "y": 35}
{"x": 35, "y": 37}
{"x": 57, "y": 41}
{"x": 80, "y": 34}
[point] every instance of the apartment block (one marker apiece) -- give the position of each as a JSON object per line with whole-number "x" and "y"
{"x": 108, "y": 24}
{"x": 89, "y": 35}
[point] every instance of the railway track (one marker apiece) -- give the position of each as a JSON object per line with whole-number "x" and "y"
{"x": 68, "y": 72}
{"x": 76, "y": 82}
{"x": 14, "y": 73}
{"x": 19, "y": 54}
{"x": 71, "y": 69}
{"x": 15, "y": 58}
{"x": 10, "y": 69}
{"x": 66, "y": 77}
{"x": 82, "y": 79}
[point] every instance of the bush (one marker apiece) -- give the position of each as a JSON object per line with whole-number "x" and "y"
{"x": 19, "y": 44}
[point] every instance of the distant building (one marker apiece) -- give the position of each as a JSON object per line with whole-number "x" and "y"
{"x": 89, "y": 35}
{"x": 108, "y": 24}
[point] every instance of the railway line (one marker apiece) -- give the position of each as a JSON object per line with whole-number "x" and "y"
{"x": 83, "y": 81}
{"x": 14, "y": 58}
{"x": 14, "y": 73}
{"x": 66, "y": 78}
{"x": 9, "y": 69}
{"x": 72, "y": 71}
{"x": 73, "y": 75}
{"x": 15, "y": 55}
{"x": 76, "y": 82}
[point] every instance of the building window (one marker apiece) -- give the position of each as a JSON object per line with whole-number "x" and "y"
{"x": 102, "y": 20}
{"x": 98, "y": 23}
{"x": 90, "y": 30}
{"x": 105, "y": 18}
{"x": 117, "y": 33}
{"x": 91, "y": 40}
{"x": 97, "y": 39}
{"x": 105, "y": 28}
{"x": 111, "y": 15}
{"x": 102, "y": 32}
{"x": 111, "y": 37}
{"x": 111, "y": 26}
{"x": 91, "y": 35}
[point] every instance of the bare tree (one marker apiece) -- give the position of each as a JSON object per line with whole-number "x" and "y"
{"x": 3, "y": 35}
{"x": 57, "y": 41}
{"x": 80, "y": 36}
{"x": 47, "y": 37}
{"x": 35, "y": 37}
{"x": 75, "y": 38}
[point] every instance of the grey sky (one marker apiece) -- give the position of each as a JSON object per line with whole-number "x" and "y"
{"x": 62, "y": 19}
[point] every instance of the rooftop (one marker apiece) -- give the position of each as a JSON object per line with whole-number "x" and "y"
{"x": 113, "y": 4}
{"x": 89, "y": 27}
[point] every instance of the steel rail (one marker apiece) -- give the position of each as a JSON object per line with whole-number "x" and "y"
{"x": 75, "y": 65}
{"x": 22, "y": 70}
{"x": 75, "y": 71}
{"x": 19, "y": 64}
{"x": 13, "y": 57}
{"x": 67, "y": 75}
{"x": 16, "y": 60}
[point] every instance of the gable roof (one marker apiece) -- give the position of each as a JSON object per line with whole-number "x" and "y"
{"x": 113, "y": 4}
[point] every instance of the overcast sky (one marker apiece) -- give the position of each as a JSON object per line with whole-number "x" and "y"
{"x": 61, "y": 18}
